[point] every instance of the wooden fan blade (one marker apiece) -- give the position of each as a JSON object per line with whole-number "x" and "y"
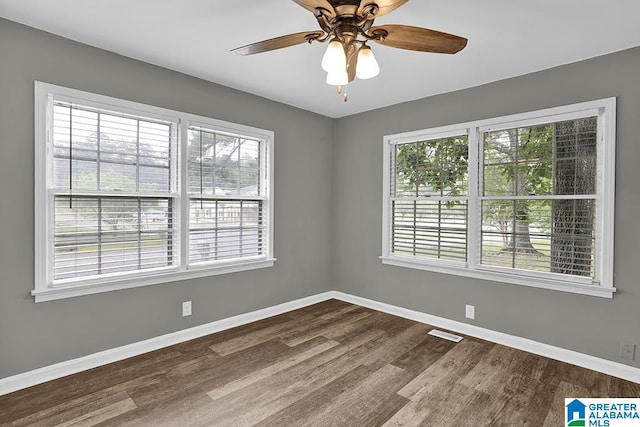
{"x": 312, "y": 5}
{"x": 278, "y": 42}
{"x": 384, "y": 6}
{"x": 420, "y": 39}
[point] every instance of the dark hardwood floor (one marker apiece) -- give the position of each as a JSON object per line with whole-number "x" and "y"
{"x": 329, "y": 364}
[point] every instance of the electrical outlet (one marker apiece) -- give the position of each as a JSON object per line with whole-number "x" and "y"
{"x": 627, "y": 350}
{"x": 470, "y": 311}
{"x": 186, "y": 308}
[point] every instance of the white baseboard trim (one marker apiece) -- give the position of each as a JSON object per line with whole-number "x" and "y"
{"x": 59, "y": 370}
{"x": 608, "y": 367}
{"x": 62, "y": 369}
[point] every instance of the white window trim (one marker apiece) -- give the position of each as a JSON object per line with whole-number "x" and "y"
{"x": 44, "y": 290}
{"x": 605, "y": 109}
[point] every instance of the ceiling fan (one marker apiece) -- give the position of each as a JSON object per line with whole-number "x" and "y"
{"x": 348, "y": 24}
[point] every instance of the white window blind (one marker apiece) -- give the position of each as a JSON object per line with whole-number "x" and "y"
{"x": 227, "y": 209}
{"x": 113, "y": 182}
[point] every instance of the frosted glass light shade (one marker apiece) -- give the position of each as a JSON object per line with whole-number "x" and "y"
{"x": 334, "y": 58}
{"x": 338, "y": 78}
{"x": 367, "y": 65}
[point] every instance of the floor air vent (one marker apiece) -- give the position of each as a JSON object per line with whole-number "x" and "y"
{"x": 445, "y": 335}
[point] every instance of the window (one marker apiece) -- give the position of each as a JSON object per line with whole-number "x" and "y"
{"x": 429, "y": 207}
{"x": 526, "y": 199}
{"x": 226, "y": 206}
{"x": 131, "y": 195}
{"x": 113, "y": 192}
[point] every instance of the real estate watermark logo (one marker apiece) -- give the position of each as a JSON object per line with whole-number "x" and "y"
{"x": 602, "y": 412}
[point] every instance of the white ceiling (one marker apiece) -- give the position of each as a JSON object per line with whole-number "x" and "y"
{"x": 506, "y": 38}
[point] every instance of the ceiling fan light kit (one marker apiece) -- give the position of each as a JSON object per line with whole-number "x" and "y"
{"x": 349, "y": 25}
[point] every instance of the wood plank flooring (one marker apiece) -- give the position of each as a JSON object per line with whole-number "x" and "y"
{"x": 329, "y": 364}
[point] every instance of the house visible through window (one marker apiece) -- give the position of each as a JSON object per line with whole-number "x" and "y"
{"x": 526, "y": 199}
{"x": 129, "y": 195}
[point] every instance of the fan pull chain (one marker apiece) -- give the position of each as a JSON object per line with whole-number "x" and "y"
{"x": 340, "y": 90}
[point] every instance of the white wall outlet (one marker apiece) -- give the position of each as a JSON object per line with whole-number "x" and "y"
{"x": 186, "y": 308}
{"x": 470, "y": 311}
{"x": 627, "y": 350}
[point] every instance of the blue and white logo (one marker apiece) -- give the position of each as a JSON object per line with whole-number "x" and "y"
{"x": 602, "y": 412}
{"x": 575, "y": 412}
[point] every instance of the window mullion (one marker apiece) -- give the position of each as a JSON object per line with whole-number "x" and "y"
{"x": 217, "y": 230}
{"x": 99, "y": 204}
{"x": 70, "y": 155}
{"x": 241, "y": 224}
{"x": 98, "y": 150}
{"x": 139, "y": 231}
{"x": 474, "y": 211}
{"x": 183, "y": 200}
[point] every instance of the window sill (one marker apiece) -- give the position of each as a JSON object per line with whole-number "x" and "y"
{"x": 495, "y": 276}
{"x": 127, "y": 281}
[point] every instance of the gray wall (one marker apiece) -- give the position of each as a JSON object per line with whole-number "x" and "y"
{"x": 328, "y": 176}
{"x": 34, "y": 335}
{"x": 586, "y": 324}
